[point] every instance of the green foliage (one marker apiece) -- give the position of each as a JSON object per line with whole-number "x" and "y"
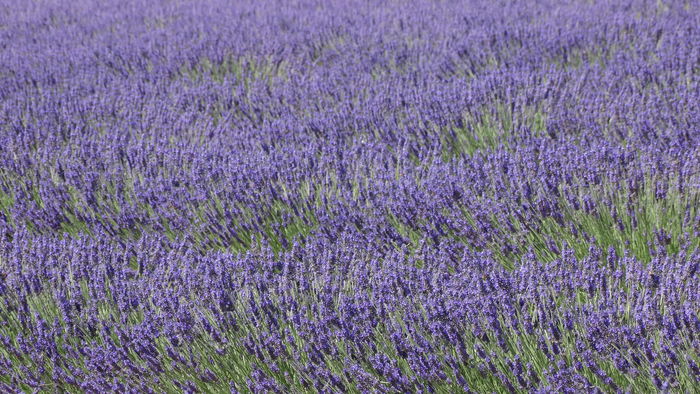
{"x": 490, "y": 127}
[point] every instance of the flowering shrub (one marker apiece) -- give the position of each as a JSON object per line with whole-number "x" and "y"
{"x": 349, "y": 196}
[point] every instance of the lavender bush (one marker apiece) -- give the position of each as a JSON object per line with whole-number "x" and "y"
{"x": 349, "y": 196}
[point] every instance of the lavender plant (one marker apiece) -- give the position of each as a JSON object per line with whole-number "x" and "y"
{"x": 349, "y": 196}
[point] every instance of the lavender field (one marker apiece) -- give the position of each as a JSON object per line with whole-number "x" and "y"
{"x": 349, "y": 196}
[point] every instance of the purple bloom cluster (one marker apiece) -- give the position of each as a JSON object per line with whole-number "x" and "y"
{"x": 338, "y": 196}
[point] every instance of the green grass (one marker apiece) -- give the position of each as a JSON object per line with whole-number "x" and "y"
{"x": 623, "y": 219}
{"x": 489, "y": 127}
{"x": 245, "y": 68}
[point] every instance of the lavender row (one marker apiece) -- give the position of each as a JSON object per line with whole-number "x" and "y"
{"x": 344, "y": 313}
